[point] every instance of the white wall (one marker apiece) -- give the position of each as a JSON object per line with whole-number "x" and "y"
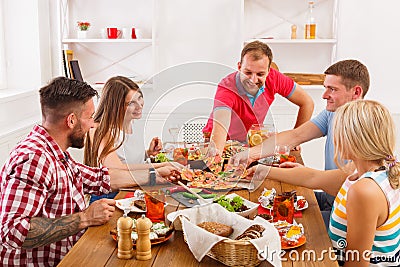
{"x": 369, "y": 31}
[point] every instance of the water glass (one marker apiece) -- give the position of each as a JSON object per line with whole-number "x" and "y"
{"x": 283, "y": 209}
{"x": 259, "y": 132}
{"x": 282, "y": 150}
{"x": 155, "y": 200}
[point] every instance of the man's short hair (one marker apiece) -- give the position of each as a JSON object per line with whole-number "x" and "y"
{"x": 63, "y": 96}
{"x": 352, "y": 72}
{"x": 257, "y": 50}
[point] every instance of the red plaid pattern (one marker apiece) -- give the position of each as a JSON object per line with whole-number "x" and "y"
{"x": 40, "y": 180}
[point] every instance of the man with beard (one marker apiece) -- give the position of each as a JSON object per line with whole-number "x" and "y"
{"x": 243, "y": 98}
{"x": 43, "y": 211}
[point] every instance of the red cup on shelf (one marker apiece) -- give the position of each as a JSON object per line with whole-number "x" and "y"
{"x": 113, "y": 33}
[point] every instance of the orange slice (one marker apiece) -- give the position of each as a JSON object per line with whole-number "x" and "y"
{"x": 256, "y": 139}
{"x": 294, "y": 231}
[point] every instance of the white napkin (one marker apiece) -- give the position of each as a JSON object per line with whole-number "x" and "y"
{"x": 201, "y": 241}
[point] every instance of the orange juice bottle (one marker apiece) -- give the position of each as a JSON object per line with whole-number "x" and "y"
{"x": 310, "y": 26}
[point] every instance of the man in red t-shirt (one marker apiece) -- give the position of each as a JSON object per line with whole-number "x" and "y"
{"x": 244, "y": 97}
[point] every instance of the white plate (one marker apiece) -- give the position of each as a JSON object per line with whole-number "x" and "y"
{"x": 127, "y": 204}
{"x": 266, "y": 198}
{"x": 251, "y": 205}
{"x": 305, "y": 205}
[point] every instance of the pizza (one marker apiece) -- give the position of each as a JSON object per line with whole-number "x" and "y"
{"x": 221, "y": 180}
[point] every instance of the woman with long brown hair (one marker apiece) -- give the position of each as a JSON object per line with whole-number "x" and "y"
{"x": 114, "y": 142}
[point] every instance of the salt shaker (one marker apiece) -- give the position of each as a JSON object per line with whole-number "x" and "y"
{"x": 143, "y": 244}
{"x": 125, "y": 244}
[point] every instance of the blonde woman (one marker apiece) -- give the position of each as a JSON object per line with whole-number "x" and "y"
{"x": 366, "y": 212}
{"x": 115, "y": 143}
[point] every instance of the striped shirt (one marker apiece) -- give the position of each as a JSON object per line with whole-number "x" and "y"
{"x": 40, "y": 180}
{"x": 386, "y": 246}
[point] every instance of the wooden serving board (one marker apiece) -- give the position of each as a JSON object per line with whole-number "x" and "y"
{"x": 307, "y": 78}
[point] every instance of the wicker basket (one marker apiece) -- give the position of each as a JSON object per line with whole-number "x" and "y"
{"x": 234, "y": 252}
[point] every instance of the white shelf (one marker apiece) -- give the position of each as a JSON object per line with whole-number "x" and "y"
{"x": 142, "y": 41}
{"x": 294, "y": 41}
{"x": 312, "y": 86}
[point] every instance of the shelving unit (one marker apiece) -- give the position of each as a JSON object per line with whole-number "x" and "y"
{"x": 101, "y": 58}
{"x": 144, "y": 41}
{"x": 270, "y": 22}
{"x": 294, "y": 41}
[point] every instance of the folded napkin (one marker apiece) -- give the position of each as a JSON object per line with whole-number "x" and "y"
{"x": 201, "y": 241}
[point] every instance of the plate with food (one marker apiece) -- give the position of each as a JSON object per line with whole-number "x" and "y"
{"x": 267, "y": 197}
{"x": 159, "y": 233}
{"x": 292, "y": 235}
{"x": 215, "y": 181}
{"x": 270, "y": 161}
{"x": 235, "y": 203}
{"x": 190, "y": 200}
{"x": 301, "y": 203}
{"x": 231, "y": 148}
{"x": 132, "y": 204}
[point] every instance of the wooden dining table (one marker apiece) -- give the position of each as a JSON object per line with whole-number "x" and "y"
{"x": 97, "y": 247}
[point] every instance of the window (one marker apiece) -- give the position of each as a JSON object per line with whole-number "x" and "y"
{"x": 3, "y": 81}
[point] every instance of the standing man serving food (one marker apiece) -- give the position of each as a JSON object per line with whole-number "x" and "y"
{"x": 243, "y": 98}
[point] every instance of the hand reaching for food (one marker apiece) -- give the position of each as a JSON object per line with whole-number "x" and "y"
{"x": 289, "y": 164}
{"x": 155, "y": 146}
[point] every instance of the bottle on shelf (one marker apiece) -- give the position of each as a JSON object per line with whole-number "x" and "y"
{"x": 294, "y": 32}
{"x": 310, "y": 26}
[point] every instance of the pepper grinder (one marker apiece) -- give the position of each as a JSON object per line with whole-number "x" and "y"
{"x": 125, "y": 245}
{"x": 143, "y": 244}
{"x": 294, "y": 32}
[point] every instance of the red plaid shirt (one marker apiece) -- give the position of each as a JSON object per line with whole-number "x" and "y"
{"x": 40, "y": 180}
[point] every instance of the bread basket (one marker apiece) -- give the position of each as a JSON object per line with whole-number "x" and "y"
{"x": 228, "y": 251}
{"x": 233, "y": 252}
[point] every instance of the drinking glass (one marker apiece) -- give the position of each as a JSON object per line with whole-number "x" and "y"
{"x": 282, "y": 154}
{"x": 283, "y": 209}
{"x": 259, "y": 132}
{"x": 282, "y": 150}
{"x": 174, "y": 132}
{"x": 181, "y": 155}
{"x": 155, "y": 200}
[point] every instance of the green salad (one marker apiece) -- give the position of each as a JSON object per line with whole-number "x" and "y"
{"x": 161, "y": 157}
{"x": 235, "y": 204}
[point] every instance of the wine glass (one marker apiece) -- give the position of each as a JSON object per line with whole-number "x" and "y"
{"x": 282, "y": 150}
{"x": 174, "y": 132}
